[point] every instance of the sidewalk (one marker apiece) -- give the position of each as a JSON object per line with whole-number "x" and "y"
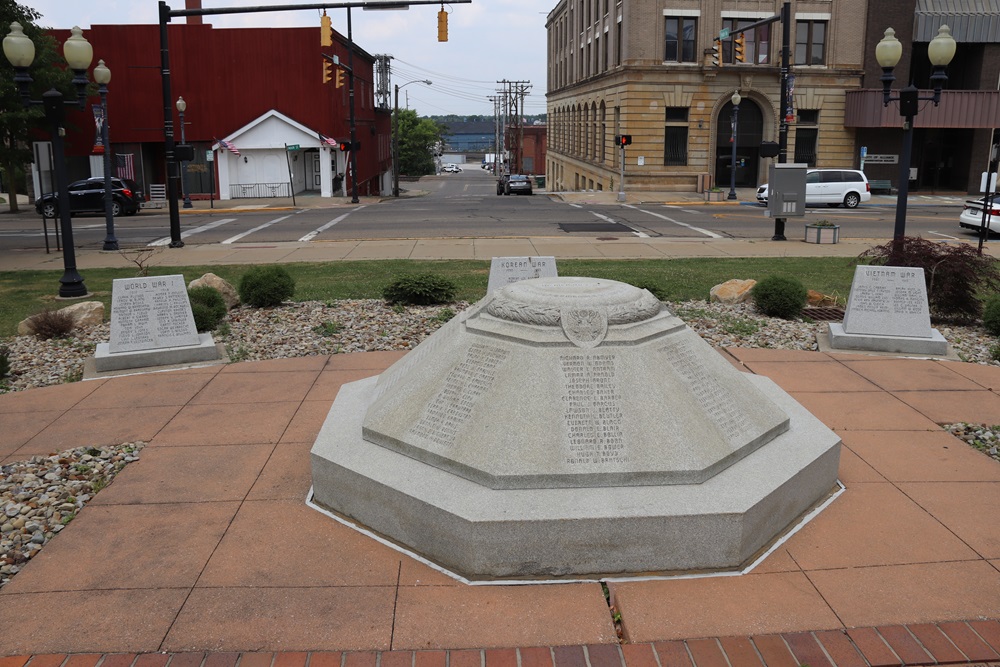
{"x": 204, "y": 552}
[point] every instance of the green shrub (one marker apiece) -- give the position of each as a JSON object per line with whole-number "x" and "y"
{"x": 991, "y": 315}
{"x": 421, "y": 290}
{"x": 954, "y": 274}
{"x": 207, "y": 306}
{"x": 779, "y": 296}
{"x": 4, "y": 361}
{"x": 266, "y": 286}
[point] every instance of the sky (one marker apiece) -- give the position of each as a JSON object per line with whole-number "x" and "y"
{"x": 488, "y": 41}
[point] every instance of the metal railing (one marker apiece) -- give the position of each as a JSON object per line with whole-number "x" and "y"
{"x": 259, "y": 190}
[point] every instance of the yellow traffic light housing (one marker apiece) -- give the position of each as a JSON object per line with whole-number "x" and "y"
{"x": 325, "y": 31}
{"x": 442, "y": 25}
{"x": 327, "y": 70}
{"x": 716, "y": 53}
{"x": 340, "y": 78}
{"x": 740, "y": 48}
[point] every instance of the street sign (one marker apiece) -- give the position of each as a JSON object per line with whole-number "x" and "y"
{"x": 293, "y": 147}
{"x": 724, "y": 33}
{"x": 209, "y": 156}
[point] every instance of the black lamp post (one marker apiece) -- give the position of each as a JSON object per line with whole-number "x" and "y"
{"x": 20, "y": 51}
{"x": 395, "y": 136}
{"x": 736, "y": 99}
{"x": 181, "y": 108}
{"x": 888, "y": 52}
{"x": 102, "y": 75}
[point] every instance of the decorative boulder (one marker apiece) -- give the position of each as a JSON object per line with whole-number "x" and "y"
{"x": 226, "y": 289}
{"x": 85, "y": 314}
{"x": 819, "y": 300}
{"x": 732, "y": 291}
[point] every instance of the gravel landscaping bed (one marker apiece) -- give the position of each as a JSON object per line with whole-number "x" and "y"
{"x": 368, "y": 325}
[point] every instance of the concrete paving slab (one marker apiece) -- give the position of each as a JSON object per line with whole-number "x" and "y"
{"x": 382, "y": 250}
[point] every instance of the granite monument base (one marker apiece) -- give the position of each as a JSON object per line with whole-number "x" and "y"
{"x": 484, "y": 533}
{"x": 841, "y": 340}
{"x": 205, "y": 350}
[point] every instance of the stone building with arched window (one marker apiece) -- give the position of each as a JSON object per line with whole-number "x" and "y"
{"x": 645, "y": 68}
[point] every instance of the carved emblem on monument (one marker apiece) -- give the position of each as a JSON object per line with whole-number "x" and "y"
{"x": 585, "y": 327}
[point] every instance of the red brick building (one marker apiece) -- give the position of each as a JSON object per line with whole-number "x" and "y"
{"x": 259, "y": 88}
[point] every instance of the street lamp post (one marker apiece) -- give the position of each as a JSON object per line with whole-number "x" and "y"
{"x": 181, "y": 108}
{"x": 395, "y": 136}
{"x": 940, "y": 51}
{"x": 736, "y": 99}
{"x": 102, "y": 75}
{"x": 20, "y": 52}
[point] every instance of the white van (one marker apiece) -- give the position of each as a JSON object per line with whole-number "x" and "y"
{"x": 832, "y": 187}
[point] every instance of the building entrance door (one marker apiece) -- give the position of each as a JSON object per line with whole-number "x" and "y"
{"x": 749, "y": 134}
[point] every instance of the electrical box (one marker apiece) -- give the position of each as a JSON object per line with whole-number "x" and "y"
{"x": 786, "y": 190}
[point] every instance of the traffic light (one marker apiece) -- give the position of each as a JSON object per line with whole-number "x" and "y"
{"x": 740, "y": 48}
{"x": 325, "y": 31}
{"x": 716, "y": 53}
{"x": 442, "y": 25}
{"x": 327, "y": 70}
{"x": 345, "y": 146}
{"x": 340, "y": 78}
{"x": 623, "y": 139}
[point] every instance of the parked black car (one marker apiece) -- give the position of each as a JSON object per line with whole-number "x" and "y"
{"x": 87, "y": 196}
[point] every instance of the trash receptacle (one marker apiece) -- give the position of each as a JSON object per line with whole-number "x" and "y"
{"x": 540, "y": 181}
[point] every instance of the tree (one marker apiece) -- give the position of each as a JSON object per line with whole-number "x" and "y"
{"x": 16, "y": 122}
{"x": 418, "y": 139}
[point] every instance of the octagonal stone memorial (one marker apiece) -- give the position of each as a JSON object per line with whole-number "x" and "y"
{"x": 571, "y": 426}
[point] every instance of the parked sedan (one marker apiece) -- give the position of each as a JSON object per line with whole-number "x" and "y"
{"x": 517, "y": 184}
{"x": 972, "y": 215}
{"x": 87, "y": 196}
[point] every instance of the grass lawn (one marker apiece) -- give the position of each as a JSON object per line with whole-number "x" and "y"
{"x": 23, "y": 293}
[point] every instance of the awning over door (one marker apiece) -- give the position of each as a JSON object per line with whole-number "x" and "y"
{"x": 971, "y": 21}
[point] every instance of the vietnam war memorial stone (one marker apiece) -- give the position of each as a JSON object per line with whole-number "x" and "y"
{"x": 887, "y": 311}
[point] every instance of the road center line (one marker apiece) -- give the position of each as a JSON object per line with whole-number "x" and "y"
{"x": 313, "y": 234}
{"x": 196, "y": 230}
{"x": 677, "y": 222}
{"x": 233, "y": 239}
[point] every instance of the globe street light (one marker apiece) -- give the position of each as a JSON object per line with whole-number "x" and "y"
{"x": 102, "y": 75}
{"x": 181, "y": 108}
{"x": 736, "y": 99}
{"x": 20, "y": 52}
{"x": 395, "y": 136}
{"x": 888, "y": 52}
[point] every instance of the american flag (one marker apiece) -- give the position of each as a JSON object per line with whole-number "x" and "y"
{"x": 125, "y": 165}
{"x": 229, "y": 146}
{"x": 327, "y": 140}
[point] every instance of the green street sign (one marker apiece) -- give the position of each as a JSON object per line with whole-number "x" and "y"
{"x": 724, "y": 33}
{"x": 293, "y": 147}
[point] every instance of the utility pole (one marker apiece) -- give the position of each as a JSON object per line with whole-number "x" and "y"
{"x": 383, "y": 75}
{"x": 513, "y": 103}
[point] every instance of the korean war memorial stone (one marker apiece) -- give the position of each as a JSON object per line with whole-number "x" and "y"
{"x": 152, "y": 325}
{"x": 507, "y": 270}
{"x": 887, "y": 312}
{"x": 571, "y": 426}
